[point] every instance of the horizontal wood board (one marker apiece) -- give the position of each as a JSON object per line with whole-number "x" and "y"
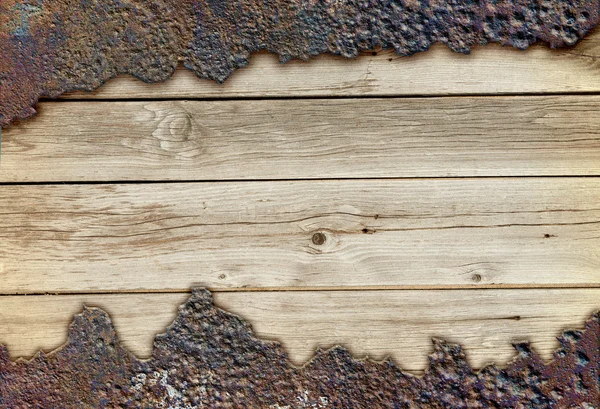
{"x": 490, "y": 70}
{"x": 353, "y": 233}
{"x": 305, "y": 139}
{"x": 399, "y": 324}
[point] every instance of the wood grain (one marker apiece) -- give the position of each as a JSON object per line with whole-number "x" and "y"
{"x": 374, "y": 323}
{"x": 350, "y": 138}
{"x": 244, "y": 238}
{"x": 419, "y": 232}
{"x": 487, "y": 70}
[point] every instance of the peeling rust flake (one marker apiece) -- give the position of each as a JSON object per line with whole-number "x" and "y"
{"x": 209, "y": 358}
{"x": 48, "y": 47}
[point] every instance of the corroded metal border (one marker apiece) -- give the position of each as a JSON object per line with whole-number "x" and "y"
{"x": 48, "y": 47}
{"x": 209, "y": 358}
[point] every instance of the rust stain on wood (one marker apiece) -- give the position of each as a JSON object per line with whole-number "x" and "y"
{"x": 52, "y": 47}
{"x": 209, "y": 358}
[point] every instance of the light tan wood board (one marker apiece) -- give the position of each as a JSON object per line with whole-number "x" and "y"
{"x": 399, "y": 324}
{"x": 301, "y": 139}
{"x": 352, "y": 233}
{"x": 490, "y": 69}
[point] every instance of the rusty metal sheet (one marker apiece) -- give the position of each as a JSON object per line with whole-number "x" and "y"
{"x": 48, "y": 47}
{"x": 209, "y": 358}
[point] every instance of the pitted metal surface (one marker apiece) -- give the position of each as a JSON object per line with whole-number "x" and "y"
{"x": 51, "y": 47}
{"x": 209, "y": 358}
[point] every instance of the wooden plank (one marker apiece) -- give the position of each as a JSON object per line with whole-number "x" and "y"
{"x": 407, "y": 232}
{"x": 375, "y": 323}
{"x": 487, "y": 70}
{"x": 432, "y": 137}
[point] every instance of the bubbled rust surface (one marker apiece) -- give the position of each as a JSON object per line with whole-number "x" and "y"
{"x": 209, "y": 358}
{"x": 48, "y": 47}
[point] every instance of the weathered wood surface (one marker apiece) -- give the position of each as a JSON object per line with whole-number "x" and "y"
{"x": 419, "y": 232}
{"x": 487, "y": 70}
{"x": 461, "y": 259}
{"x": 374, "y": 323}
{"x": 301, "y": 139}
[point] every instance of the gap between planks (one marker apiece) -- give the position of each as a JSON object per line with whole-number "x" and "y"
{"x": 316, "y": 289}
{"x": 283, "y": 180}
{"x": 80, "y": 97}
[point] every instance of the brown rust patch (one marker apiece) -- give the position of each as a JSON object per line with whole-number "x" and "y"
{"x": 51, "y": 47}
{"x": 209, "y": 358}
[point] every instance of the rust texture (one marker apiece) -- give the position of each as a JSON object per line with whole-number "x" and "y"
{"x": 209, "y": 358}
{"x": 48, "y": 47}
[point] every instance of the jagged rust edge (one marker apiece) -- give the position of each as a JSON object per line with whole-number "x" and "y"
{"x": 48, "y": 47}
{"x": 209, "y": 358}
